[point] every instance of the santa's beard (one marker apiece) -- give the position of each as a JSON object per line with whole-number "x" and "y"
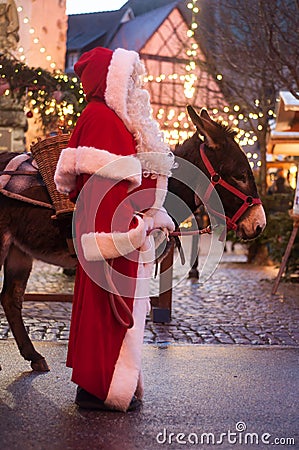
{"x": 146, "y": 130}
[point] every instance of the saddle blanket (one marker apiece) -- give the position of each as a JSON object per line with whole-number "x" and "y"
{"x": 19, "y": 183}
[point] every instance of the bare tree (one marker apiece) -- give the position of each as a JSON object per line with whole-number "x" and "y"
{"x": 252, "y": 47}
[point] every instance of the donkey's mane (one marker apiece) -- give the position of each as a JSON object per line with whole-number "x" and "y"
{"x": 229, "y": 131}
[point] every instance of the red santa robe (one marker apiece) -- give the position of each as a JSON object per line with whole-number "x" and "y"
{"x": 103, "y": 168}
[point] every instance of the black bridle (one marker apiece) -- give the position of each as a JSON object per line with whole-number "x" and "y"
{"x": 215, "y": 178}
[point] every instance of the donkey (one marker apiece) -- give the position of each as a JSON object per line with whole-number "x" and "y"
{"x": 28, "y": 232}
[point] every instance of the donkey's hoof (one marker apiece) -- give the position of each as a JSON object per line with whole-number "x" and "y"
{"x": 40, "y": 365}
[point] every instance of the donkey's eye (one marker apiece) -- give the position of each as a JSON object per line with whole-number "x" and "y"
{"x": 241, "y": 178}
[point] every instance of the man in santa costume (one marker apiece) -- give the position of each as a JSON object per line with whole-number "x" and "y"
{"x": 116, "y": 169}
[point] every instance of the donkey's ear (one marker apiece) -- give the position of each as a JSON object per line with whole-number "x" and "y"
{"x": 194, "y": 117}
{"x": 206, "y": 127}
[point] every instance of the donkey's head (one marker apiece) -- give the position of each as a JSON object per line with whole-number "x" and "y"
{"x": 223, "y": 161}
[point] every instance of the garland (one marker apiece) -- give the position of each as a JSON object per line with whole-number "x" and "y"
{"x": 55, "y": 98}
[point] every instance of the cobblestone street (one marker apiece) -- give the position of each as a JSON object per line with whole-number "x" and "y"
{"x": 234, "y": 306}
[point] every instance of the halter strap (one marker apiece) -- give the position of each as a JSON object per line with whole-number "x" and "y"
{"x": 215, "y": 178}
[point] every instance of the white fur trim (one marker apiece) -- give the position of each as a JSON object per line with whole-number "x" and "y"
{"x": 156, "y": 162}
{"x": 99, "y": 246}
{"x": 160, "y": 195}
{"x": 90, "y": 160}
{"x": 127, "y": 378}
{"x": 122, "y": 65}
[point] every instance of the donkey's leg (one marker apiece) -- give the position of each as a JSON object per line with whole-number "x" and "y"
{"x": 17, "y": 268}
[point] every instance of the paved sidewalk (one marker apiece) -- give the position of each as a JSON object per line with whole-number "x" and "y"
{"x": 234, "y": 306}
{"x": 228, "y": 397}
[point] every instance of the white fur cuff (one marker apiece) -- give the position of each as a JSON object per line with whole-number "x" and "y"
{"x": 99, "y": 246}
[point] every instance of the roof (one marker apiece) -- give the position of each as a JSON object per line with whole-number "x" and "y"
{"x": 84, "y": 29}
{"x": 284, "y": 135}
{"x": 107, "y": 29}
{"x": 143, "y": 6}
{"x": 134, "y": 34}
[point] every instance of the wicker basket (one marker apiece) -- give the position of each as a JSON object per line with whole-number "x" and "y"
{"x": 46, "y": 152}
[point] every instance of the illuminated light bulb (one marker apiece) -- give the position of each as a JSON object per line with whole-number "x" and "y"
{"x": 32, "y": 31}
{"x": 26, "y": 20}
{"x": 270, "y": 112}
{"x": 251, "y": 164}
{"x": 236, "y": 108}
{"x": 20, "y": 8}
{"x": 190, "y": 33}
{"x": 235, "y": 122}
{"x": 22, "y": 57}
{"x": 249, "y": 155}
{"x": 195, "y": 46}
{"x": 259, "y": 163}
{"x": 150, "y": 78}
{"x": 53, "y": 65}
{"x": 226, "y": 109}
{"x": 35, "y": 40}
{"x": 231, "y": 117}
{"x": 219, "y": 77}
{"x": 240, "y": 117}
{"x": 215, "y": 111}
{"x": 48, "y": 57}
{"x": 186, "y": 125}
{"x": 190, "y": 5}
{"x": 176, "y": 124}
{"x": 42, "y": 49}
{"x": 21, "y": 49}
{"x": 161, "y": 111}
{"x": 196, "y": 10}
{"x": 255, "y": 156}
{"x": 260, "y": 127}
{"x": 194, "y": 26}
{"x": 261, "y": 114}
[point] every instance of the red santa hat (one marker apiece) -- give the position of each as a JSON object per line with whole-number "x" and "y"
{"x": 92, "y": 69}
{"x": 105, "y": 75}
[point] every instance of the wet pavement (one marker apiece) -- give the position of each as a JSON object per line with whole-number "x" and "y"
{"x": 234, "y": 306}
{"x": 196, "y": 396}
